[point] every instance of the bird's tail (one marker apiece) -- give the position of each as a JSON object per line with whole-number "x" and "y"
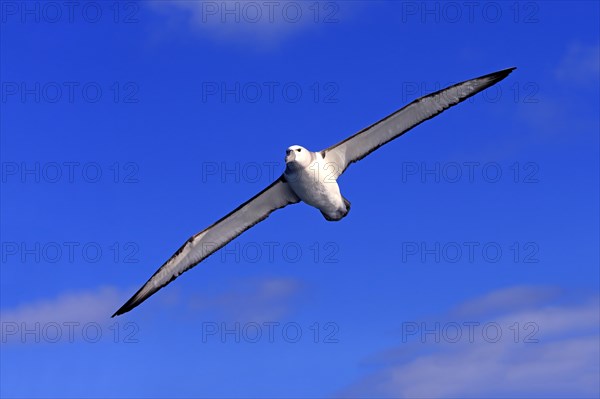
{"x": 339, "y": 214}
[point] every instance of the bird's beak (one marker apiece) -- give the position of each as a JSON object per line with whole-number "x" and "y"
{"x": 290, "y": 157}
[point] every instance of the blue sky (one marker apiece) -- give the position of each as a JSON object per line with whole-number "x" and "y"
{"x": 468, "y": 266}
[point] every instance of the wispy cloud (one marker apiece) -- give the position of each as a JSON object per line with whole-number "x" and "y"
{"x": 544, "y": 349}
{"x": 562, "y": 99}
{"x": 516, "y": 297}
{"x": 257, "y": 23}
{"x": 83, "y": 306}
{"x": 85, "y": 315}
{"x": 580, "y": 65}
{"x": 252, "y": 300}
{"x": 60, "y": 318}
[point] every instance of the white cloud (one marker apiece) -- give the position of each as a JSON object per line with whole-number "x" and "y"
{"x": 558, "y": 354}
{"x": 507, "y": 298}
{"x": 65, "y": 316}
{"x": 81, "y": 316}
{"x": 81, "y": 306}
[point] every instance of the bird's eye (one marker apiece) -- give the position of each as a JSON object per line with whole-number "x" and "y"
{"x": 298, "y": 150}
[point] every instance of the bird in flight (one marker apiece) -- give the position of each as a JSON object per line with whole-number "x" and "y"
{"x": 310, "y": 177}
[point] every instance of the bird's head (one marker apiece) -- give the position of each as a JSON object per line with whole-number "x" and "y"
{"x": 297, "y": 157}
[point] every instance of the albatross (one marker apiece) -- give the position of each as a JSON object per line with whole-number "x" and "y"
{"x": 310, "y": 177}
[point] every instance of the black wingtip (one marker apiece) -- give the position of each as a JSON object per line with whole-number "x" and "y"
{"x": 499, "y": 75}
{"x": 129, "y": 305}
{"x": 124, "y": 309}
{"x": 491, "y": 79}
{"x": 121, "y": 310}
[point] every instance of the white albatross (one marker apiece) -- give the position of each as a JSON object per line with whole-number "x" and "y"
{"x": 310, "y": 177}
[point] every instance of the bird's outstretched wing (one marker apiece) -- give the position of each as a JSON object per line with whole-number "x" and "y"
{"x": 361, "y": 144}
{"x": 203, "y": 244}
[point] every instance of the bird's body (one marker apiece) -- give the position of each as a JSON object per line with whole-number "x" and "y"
{"x": 313, "y": 180}
{"x": 310, "y": 177}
